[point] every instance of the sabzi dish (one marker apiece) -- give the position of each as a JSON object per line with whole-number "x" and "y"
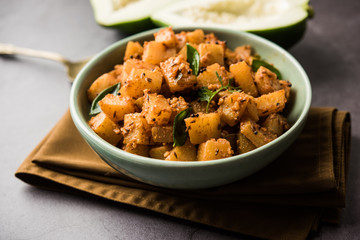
{"x": 188, "y": 97}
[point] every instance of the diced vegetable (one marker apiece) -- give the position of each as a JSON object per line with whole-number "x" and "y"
{"x": 243, "y": 78}
{"x": 244, "y": 144}
{"x": 209, "y": 77}
{"x": 133, "y": 63}
{"x": 115, "y": 107}
{"x": 196, "y": 36}
{"x": 186, "y": 152}
{"x": 210, "y": 54}
{"x": 271, "y": 103}
{"x": 134, "y": 50}
{"x": 138, "y": 149}
{"x": 136, "y": 129}
{"x": 251, "y": 111}
{"x": 286, "y": 85}
{"x": 140, "y": 80}
{"x": 105, "y": 128}
{"x": 214, "y": 149}
{"x": 104, "y": 81}
{"x": 178, "y": 74}
{"x": 156, "y": 52}
{"x": 158, "y": 152}
{"x": 166, "y": 36}
{"x": 232, "y": 107}
{"x": 257, "y": 136}
{"x": 162, "y": 134}
{"x": 156, "y": 109}
{"x": 243, "y": 53}
{"x": 202, "y": 127}
{"x": 266, "y": 81}
{"x": 276, "y": 124}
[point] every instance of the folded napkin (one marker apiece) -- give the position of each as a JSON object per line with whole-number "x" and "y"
{"x": 285, "y": 200}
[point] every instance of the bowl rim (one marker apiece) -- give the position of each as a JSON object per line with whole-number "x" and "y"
{"x": 84, "y": 128}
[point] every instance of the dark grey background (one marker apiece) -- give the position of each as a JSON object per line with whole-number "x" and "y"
{"x": 34, "y": 94}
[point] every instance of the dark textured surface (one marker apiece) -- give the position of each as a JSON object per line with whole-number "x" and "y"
{"x": 34, "y": 95}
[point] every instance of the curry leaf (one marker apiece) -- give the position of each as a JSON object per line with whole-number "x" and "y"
{"x": 256, "y": 64}
{"x": 193, "y": 58}
{"x": 95, "y": 108}
{"x": 207, "y": 95}
{"x": 179, "y": 127}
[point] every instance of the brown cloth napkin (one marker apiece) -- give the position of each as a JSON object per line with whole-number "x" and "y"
{"x": 285, "y": 200}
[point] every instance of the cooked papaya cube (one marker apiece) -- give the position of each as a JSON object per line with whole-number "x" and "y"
{"x": 158, "y": 152}
{"x": 166, "y": 36}
{"x": 202, "y": 127}
{"x": 211, "y": 38}
{"x": 210, "y": 54}
{"x": 271, "y": 103}
{"x": 115, "y": 107}
{"x": 136, "y": 129}
{"x": 156, "y": 109}
{"x": 183, "y": 53}
{"x": 139, "y": 102}
{"x": 214, "y": 149}
{"x": 178, "y": 74}
{"x": 105, "y": 128}
{"x": 200, "y": 107}
{"x": 232, "y": 107}
{"x": 138, "y": 149}
{"x": 243, "y": 78}
{"x": 133, "y": 50}
{"x": 101, "y": 83}
{"x": 156, "y": 52}
{"x": 180, "y": 40}
{"x": 196, "y": 36}
{"x": 208, "y": 77}
{"x": 286, "y": 85}
{"x": 244, "y": 144}
{"x": 162, "y": 134}
{"x": 230, "y": 57}
{"x": 130, "y": 64}
{"x": 266, "y": 81}
{"x": 140, "y": 80}
{"x": 276, "y": 124}
{"x": 177, "y": 104}
{"x": 257, "y": 136}
{"x": 231, "y": 137}
{"x": 186, "y": 152}
{"x": 244, "y": 53}
{"x": 251, "y": 111}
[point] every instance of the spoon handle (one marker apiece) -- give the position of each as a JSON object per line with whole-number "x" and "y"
{"x": 10, "y": 49}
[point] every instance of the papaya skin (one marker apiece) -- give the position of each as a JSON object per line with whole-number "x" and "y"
{"x": 132, "y": 26}
{"x": 286, "y": 37}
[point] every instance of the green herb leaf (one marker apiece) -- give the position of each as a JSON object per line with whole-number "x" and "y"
{"x": 219, "y": 78}
{"x": 95, "y": 108}
{"x": 193, "y": 58}
{"x": 179, "y": 127}
{"x": 207, "y": 95}
{"x": 256, "y": 64}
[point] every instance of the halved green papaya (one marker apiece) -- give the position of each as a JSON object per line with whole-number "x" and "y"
{"x": 130, "y": 16}
{"x": 281, "y": 21}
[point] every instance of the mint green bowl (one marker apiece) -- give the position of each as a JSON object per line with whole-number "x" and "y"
{"x": 194, "y": 175}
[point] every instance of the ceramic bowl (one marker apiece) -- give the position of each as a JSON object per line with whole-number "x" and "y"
{"x": 194, "y": 175}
